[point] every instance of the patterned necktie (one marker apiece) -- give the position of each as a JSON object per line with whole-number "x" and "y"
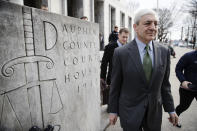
{"x": 147, "y": 64}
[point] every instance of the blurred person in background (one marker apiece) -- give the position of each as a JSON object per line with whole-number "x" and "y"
{"x": 113, "y": 37}
{"x": 186, "y": 72}
{"x": 106, "y": 63}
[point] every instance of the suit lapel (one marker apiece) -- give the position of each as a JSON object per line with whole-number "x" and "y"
{"x": 156, "y": 55}
{"x": 134, "y": 54}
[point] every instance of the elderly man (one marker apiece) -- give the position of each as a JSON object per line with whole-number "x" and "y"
{"x": 140, "y": 79}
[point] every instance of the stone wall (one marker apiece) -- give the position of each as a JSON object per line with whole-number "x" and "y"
{"x": 49, "y": 71}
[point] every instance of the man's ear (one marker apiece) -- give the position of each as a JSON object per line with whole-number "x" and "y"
{"x": 119, "y": 35}
{"x": 135, "y": 27}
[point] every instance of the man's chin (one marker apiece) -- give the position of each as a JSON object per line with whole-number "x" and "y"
{"x": 151, "y": 38}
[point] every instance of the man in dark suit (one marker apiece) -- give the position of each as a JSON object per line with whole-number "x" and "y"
{"x": 106, "y": 63}
{"x": 140, "y": 79}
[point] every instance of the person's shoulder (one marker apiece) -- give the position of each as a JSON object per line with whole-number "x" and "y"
{"x": 187, "y": 56}
{"x": 111, "y": 45}
{"x": 170, "y": 47}
{"x": 161, "y": 46}
{"x": 113, "y": 31}
{"x": 124, "y": 48}
{"x": 189, "y": 53}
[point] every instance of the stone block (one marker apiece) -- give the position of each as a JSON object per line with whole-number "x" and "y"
{"x": 49, "y": 70}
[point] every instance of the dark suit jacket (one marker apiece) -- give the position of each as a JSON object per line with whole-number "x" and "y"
{"x": 107, "y": 61}
{"x": 131, "y": 95}
{"x": 113, "y": 37}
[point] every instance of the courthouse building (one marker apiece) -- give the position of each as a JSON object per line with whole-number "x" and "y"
{"x": 107, "y": 13}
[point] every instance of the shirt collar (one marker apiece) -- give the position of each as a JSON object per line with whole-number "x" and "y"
{"x": 119, "y": 44}
{"x": 142, "y": 45}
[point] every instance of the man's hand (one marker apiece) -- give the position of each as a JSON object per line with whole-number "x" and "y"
{"x": 113, "y": 118}
{"x": 184, "y": 84}
{"x": 173, "y": 118}
{"x": 103, "y": 84}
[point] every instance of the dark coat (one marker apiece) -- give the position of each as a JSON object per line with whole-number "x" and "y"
{"x": 106, "y": 62}
{"x": 130, "y": 94}
{"x": 186, "y": 68}
{"x": 113, "y": 37}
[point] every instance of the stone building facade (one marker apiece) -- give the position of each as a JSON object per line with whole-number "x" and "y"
{"x": 107, "y": 13}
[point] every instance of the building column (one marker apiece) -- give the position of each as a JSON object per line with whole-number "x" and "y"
{"x": 130, "y": 27}
{"x": 64, "y": 7}
{"x": 99, "y": 18}
{"x": 112, "y": 18}
{"x": 92, "y": 10}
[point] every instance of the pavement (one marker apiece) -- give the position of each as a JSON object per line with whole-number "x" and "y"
{"x": 188, "y": 119}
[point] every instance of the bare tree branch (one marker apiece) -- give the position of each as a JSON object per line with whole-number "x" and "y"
{"x": 132, "y": 5}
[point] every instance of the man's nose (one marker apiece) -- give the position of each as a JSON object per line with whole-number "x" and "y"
{"x": 153, "y": 26}
{"x": 125, "y": 39}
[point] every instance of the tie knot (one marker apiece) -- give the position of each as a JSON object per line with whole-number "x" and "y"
{"x": 147, "y": 47}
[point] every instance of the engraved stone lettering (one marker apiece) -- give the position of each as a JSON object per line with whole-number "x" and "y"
{"x": 75, "y": 61}
{"x": 83, "y": 58}
{"x": 90, "y": 58}
{"x": 76, "y": 75}
{"x": 83, "y": 72}
{"x": 67, "y": 78}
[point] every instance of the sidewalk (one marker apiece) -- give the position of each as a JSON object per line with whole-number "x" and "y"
{"x": 188, "y": 119}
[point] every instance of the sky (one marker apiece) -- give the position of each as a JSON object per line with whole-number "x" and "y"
{"x": 176, "y": 30}
{"x": 153, "y": 3}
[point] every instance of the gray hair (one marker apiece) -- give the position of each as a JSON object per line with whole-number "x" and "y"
{"x": 143, "y": 12}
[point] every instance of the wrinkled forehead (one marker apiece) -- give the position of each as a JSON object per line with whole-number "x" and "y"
{"x": 149, "y": 18}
